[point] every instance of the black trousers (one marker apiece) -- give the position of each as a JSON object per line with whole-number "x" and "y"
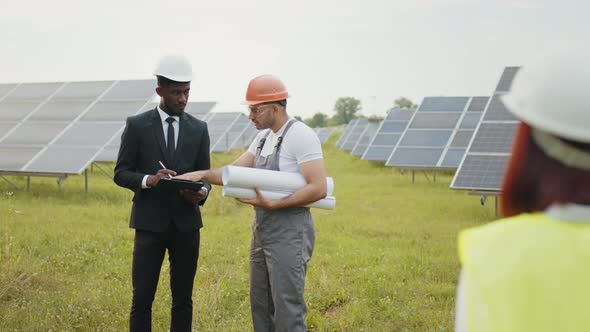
{"x": 148, "y": 253}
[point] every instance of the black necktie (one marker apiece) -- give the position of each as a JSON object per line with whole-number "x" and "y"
{"x": 170, "y": 148}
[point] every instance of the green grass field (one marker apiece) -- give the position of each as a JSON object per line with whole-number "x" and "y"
{"x": 385, "y": 258}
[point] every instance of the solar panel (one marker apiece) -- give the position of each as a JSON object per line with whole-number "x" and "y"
{"x": 346, "y": 132}
{"x": 6, "y": 88}
{"x": 5, "y": 127}
{"x": 15, "y": 157}
{"x": 388, "y": 134}
{"x": 57, "y": 128}
{"x": 112, "y": 110}
{"x": 246, "y": 138}
{"x": 88, "y": 134}
{"x": 35, "y": 133}
{"x": 131, "y": 90}
{"x": 234, "y": 131}
{"x": 59, "y": 159}
{"x": 33, "y": 91}
{"x": 355, "y": 134}
{"x": 506, "y": 79}
{"x": 482, "y": 168}
{"x": 429, "y": 133}
{"x": 365, "y": 138}
{"x": 16, "y": 110}
{"x": 219, "y": 125}
{"x": 59, "y": 111}
{"x": 324, "y": 134}
{"x": 198, "y": 109}
{"x": 82, "y": 90}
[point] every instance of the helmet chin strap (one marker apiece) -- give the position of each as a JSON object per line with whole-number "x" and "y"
{"x": 561, "y": 151}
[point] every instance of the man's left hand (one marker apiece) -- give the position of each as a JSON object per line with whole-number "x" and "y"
{"x": 193, "y": 196}
{"x": 259, "y": 201}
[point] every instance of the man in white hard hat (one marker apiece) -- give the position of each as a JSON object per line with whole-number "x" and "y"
{"x": 156, "y": 144}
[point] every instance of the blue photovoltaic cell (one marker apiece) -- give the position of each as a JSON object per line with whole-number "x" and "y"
{"x": 431, "y": 138}
{"x": 453, "y": 158}
{"x": 443, "y": 104}
{"x": 414, "y": 157}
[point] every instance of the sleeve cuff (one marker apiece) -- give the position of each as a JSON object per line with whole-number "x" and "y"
{"x": 144, "y": 182}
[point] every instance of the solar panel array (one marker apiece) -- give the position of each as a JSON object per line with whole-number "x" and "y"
{"x": 388, "y": 134}
{"x": 365, "y": 138}
{"x": 110, "y": 151}
{"x": 346, "y": 132}
{"x": 59, "y": 128}
{"x": 482, "y": 168}
{"x": 226, "y": 129}
{"x": 426, "y": 139}
{"x": 355, "y": 134}
{"x": 324, "y": 133}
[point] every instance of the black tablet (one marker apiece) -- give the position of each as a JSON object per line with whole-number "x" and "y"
{"x": 177, "y": 184}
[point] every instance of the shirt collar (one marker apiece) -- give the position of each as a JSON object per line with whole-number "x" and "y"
{"x": 164, "y": 115}
{"x": 569, "y": 212}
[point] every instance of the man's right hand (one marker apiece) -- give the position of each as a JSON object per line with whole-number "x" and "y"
{"x": 153, "y": 180}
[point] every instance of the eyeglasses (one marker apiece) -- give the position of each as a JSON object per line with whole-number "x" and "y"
{"x": 257, "y": 110}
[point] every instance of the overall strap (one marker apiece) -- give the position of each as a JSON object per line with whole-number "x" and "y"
{"x": 277, "y": 149}
{"x": 261, "y": 144}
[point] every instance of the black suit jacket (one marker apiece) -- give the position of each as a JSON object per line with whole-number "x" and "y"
{"x": 142, "y": 146}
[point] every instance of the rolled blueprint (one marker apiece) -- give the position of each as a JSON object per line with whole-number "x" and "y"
{"x": 247, "y": 177}
{"x": 327, "y": 203}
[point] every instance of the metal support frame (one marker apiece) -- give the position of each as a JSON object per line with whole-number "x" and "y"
{"x": 102, "y": 170}
{"x": 10, "y": 182}
{"x": 483, "y": 198}
{"x": 86, "y": 180}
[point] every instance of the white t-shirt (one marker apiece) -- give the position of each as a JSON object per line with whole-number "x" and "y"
{"x": 300, "y": 145}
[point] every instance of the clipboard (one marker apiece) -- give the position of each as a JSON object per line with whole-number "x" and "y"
{"x": 178, "y": 184}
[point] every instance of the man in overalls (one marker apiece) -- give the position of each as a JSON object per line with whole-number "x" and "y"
{"x": 282, "y": 232}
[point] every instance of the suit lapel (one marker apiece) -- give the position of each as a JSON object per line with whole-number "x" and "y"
{"x": 159, "y": 134}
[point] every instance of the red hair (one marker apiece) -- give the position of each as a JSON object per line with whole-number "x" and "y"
{"x": 533, "y": 181}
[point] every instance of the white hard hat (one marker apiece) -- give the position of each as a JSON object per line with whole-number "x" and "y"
{"x": 175, "y": 67}
{"x": 553, "y": 94}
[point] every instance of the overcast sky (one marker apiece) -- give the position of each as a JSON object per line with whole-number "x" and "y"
{"x": 373, "y": 50}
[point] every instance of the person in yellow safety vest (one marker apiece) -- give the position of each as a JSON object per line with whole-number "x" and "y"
{"x": 530, "y": 271}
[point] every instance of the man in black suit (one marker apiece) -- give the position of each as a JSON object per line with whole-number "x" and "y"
{"x": 160, "y": 143}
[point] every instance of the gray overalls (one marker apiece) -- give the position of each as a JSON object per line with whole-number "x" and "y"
{"x": 282, "y": 244}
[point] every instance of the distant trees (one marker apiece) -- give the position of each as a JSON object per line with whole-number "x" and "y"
{"x": 404, "y": 102}
{"x": 317, "y": 120}
{"x": 345, "y": 108}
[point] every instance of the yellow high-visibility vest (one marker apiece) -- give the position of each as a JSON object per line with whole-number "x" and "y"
{"x": 527, "y": 273}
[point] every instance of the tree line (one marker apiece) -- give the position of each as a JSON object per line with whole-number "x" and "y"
{"x": 346, "y": 109}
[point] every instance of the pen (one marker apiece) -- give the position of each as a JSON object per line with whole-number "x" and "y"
{"x": 164, "y": 167}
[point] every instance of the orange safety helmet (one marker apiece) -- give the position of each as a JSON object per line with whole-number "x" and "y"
{"x": 265, "y": 88}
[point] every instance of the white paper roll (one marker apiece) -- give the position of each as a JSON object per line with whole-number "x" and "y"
{"x": 247, "y": 177}
{"x": 327, "y": 203}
